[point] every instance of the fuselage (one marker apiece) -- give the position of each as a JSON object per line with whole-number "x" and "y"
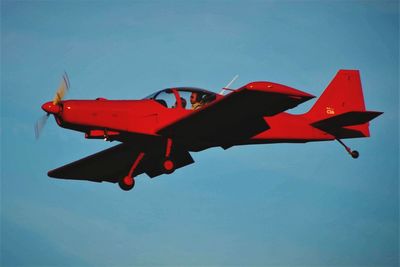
{"x": 114, "y": 119}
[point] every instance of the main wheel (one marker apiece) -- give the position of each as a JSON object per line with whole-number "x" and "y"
{"x": 355, "y": 154}
{"x": 126, "y": 183}
{"x": 168, "y": 166}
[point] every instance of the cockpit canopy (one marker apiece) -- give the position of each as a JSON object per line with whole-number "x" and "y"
{"x": 183, "y": 97}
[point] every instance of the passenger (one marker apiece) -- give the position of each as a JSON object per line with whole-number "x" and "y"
{"x": 183, "y": 102}
{"x": 195, "y": 100}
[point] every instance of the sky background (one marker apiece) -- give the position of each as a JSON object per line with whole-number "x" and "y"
{"x": 266, "y": 205}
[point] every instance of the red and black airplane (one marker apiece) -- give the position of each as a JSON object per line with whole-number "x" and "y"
{"x": 158, "y": 132}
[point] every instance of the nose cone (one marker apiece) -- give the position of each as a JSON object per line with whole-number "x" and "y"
{"x": 49, "y": 107}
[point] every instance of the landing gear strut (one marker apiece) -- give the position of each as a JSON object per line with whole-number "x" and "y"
{"x": 128, "y": 182}
{"x": 353, "y": 153}
{"x": 167, "y": 164}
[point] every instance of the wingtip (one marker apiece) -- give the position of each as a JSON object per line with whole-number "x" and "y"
{"x": 53, "y": 174}
{"x": 375, "y": 114}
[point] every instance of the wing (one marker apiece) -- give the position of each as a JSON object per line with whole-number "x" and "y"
{"x": 114, "y": 163}
{"x": 238, "y": 115}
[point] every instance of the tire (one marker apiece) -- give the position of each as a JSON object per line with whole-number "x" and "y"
{"x": 126, "y": 183}
{"x": 168, "y": 166}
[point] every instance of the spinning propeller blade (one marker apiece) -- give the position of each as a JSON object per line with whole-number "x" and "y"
{"x": 62, "y": 89}
{"x": 60, "y": 93}
{"x": 40, "y": 123}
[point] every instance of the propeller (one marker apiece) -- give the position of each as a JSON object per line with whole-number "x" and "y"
{"x": 39, "y": 125}
{"x": 53, "y": 107}
{"x": 62, "y": 89}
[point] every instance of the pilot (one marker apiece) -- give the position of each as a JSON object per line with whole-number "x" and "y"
{"x": 195, "y": 100}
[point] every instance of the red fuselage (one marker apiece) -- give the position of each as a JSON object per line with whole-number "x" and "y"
{"x": 108, "y": 118}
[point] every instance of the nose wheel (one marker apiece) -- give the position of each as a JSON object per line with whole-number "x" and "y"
{"x": 353, "y": 153}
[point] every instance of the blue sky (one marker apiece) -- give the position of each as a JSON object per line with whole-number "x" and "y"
{"x": 267, "y": 205}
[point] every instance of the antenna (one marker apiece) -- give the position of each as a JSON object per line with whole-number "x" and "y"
{"x": 226, "y": 88}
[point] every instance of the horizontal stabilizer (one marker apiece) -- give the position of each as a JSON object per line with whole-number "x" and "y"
{"x": 347, "y": 119}
{"x": 348, "y": 125}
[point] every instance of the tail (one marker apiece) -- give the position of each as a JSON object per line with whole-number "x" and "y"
{"x": 340, "y": 110}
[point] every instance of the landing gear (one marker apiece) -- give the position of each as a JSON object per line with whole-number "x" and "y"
{"x": 168, "y": 166}
{"x": 126, "y": 183}
{"x": 353, "y": 153}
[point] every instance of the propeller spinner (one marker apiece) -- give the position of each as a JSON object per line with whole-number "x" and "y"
{"x": 53, "y": 107}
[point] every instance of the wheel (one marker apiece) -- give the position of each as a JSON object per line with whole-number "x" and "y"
{"x": 168, "y": 166}
{"x": 126, "y": 183}
{"x": 355, "y": 154}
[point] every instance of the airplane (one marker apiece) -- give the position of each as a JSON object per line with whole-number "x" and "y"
{"x": 157, "y": 133}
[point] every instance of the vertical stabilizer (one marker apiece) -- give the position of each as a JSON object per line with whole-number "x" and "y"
{"x": 343, "y": 94}
{"x": 341, "y": 109}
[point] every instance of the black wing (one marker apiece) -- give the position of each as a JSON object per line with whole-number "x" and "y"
{"x": 112, "y": 164}
{"x": 236, "y": 116}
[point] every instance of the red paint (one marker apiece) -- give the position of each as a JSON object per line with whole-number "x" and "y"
{"x": 254, "y": 113}
{"x": 136, "y": 163}
{"x": 168, "y": 165}
{"x": 169, "y": 146}
{"x": 101, "y": 134}
{"x": 285, "y": 126}
{"x": 276, "y": 88}
{"x": 51, "y": 108}
{"x": 128, "y": 180}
